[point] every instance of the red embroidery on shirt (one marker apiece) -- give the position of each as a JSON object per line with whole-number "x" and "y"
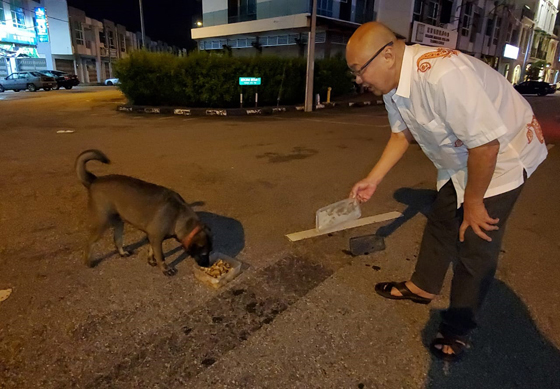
{"x": 529, "y": 136}
{"x": 535, "y": 126}
{"x": 439, "y": 53}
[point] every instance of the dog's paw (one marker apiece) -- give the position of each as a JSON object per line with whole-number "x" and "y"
{"x": 170, "y": 272}
{"x": 152, "y": 262}
{"x": 126, "y": 253}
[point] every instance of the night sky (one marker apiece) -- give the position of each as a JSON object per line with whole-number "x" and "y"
{"x": 166, "y": 20}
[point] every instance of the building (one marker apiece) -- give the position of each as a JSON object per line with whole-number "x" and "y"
{"x": 509, "y": 36}
{"x": 249, "y": 27}
{"x": 47, "y": 34}
{"x": 29, "y": 38}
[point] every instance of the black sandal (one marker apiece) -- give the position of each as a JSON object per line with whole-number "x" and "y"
{"x": 457, "y": 345}
{"x": 384, "y": 289}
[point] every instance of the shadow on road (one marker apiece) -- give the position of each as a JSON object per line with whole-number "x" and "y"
{"x": 416, "y": 200}
{"x": 508, "y": 349}
{"x": 228, "y": 234}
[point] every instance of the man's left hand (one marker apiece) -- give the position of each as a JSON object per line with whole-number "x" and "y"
{"x": 476, "y": 217}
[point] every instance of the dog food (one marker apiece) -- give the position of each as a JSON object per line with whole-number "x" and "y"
{"x": 218, "y": 269}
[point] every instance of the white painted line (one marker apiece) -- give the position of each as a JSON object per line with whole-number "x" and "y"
{"x": 344, "y": 226}
{"x": 549, "y": 146}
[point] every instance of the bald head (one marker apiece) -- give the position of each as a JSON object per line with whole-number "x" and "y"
{"x": 383, "y": 72}
{"x": 369, "y": 37}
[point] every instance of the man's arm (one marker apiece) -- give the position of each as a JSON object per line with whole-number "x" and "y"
{"x": 395, "y": 149}
{"x": 481, "y": 165}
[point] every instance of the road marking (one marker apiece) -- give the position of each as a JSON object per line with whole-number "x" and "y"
{"x": 344, "y": 226}
{"x": 549, "y": 146}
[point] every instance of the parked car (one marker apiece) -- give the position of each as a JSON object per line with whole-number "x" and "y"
{"x": 63, "y": 80}
{"x": 535, "y": 88}
{"x": 112, "y": 81}
{"x": 27, "y": 80}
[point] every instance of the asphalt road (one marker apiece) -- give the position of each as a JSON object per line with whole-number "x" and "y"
{"x": 301, "y": 315}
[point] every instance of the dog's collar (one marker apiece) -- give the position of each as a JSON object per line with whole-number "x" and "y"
{"x": 188, "y": 240}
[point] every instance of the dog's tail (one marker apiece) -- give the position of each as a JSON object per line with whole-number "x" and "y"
{"x": 86, "y": 177}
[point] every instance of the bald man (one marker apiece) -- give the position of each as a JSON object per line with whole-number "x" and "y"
{"x": 483, "y": 139}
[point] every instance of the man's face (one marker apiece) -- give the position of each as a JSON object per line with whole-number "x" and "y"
{"x": 373, "y": 72}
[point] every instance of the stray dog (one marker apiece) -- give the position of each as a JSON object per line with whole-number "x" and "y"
{"x": 160, "y": 212}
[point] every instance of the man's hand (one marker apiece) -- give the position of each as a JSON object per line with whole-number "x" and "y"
{"x": 363, "y": 190}
{"x": 476, "y": 217}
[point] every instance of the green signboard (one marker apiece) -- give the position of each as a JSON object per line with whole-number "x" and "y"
{"x": 249, "y": 81}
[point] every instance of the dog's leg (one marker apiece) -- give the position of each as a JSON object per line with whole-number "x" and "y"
{"x": 95, "y": 234}
{"x": 158, "y": 253}
{"x": 118, "y": 238}
{"x": 151, "y": 258}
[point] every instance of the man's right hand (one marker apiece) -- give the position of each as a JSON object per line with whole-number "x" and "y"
{"x": 363, "y": 190}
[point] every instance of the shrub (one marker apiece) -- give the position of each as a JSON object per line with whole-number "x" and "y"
{"x": 212, "y": 80}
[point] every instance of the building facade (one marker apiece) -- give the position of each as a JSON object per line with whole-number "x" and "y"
{"x": 47, "y": 34}
{"x": 29, "y": 40}
{"x": 249, "y": 27}
{"x": 509, "y": 36}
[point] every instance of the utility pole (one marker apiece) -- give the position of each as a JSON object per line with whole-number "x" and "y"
{"x": 142, "y": 25}
{"x": 311, "y": 60}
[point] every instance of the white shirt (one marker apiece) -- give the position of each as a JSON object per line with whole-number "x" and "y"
{"x": 452, "y": 102}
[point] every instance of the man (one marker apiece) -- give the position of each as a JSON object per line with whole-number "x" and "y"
{"x": 484, "y": 140}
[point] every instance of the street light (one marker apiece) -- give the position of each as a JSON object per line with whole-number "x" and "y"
{"x": 311, "y": 59}
{"x": 142, "y": 24}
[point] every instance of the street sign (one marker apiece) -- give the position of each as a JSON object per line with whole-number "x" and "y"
{"x": 249, "y": 80}
{"x": 41, "y": 25}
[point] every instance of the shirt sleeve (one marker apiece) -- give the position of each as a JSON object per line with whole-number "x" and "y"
{"x": 395, "y": 119}
{"x": 462, "y": 103}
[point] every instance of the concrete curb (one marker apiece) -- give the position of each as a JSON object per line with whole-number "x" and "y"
{"x": 236, "y": 111}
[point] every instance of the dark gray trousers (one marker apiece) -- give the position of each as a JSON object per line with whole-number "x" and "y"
{"x": 475, "y": 260}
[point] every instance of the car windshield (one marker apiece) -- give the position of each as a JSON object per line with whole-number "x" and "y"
{"x": 36, "y": 74}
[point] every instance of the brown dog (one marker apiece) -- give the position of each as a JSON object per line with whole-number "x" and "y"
{"x": 160, "y": 212}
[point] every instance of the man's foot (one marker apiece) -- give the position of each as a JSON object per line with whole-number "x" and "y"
{"x": 386, "y": 289}
{"x": 448, "y": 349}
{"x": 414, "y": 289}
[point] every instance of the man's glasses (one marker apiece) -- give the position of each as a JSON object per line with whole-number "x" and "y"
{"x": 358, "y": 73}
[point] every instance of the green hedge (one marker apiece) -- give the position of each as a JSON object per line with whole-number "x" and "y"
{"x": 212, "y": 80}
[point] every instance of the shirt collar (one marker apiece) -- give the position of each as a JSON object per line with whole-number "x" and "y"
{"x": 405, "y": 78}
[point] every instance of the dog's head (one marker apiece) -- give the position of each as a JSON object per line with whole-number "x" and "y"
{"x": 198, "y": 243}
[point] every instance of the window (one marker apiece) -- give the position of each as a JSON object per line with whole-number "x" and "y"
{"x": 475, "y": 27}
{"x": 497, "y": 32}
{"x": 78, "y": 33}
{"x": 467, "y": 20}
{"x": 18, "y": 18}
{"x": 2, "y": 17}
{"x": 433, "y": 12}
{"x": 112, "y": 40}
{"x": 320, "y": 37}
{"x": 418, "y": 9}
{"x": 489, "y": 27}
{"x": 325, "y": 8}
{"x": 514, "y": 37}
{"x": 242, "y": 10}
{"x": 123, "y": 42}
